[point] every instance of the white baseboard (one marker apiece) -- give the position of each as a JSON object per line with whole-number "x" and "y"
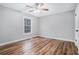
{"x": 31, "y": 37}
{"x": 5, "y": 43}
{"x": 71, "y": 40}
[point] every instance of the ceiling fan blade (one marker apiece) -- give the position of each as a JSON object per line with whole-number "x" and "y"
{"x": 29, "y": 6}
{"x": 31, "y": 10}
{"x": 44, "y": 9}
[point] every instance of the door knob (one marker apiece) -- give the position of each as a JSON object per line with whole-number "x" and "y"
{"x": 76, "y": 30}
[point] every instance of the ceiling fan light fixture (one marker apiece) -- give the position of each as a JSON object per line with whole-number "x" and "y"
{"x": 36, "y": 11}
{"x": 37, "y": 7}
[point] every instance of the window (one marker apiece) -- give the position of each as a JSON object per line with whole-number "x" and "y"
{"x": 27, "y": 25}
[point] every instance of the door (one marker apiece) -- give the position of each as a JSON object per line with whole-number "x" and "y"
{"x": 77, "y": 26}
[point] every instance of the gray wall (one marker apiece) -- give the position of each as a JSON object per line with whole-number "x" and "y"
{"x": 58, "y": 26}
{"x": 11, "y": 25}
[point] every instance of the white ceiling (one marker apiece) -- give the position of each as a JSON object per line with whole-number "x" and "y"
{"x": 53, "y": 8}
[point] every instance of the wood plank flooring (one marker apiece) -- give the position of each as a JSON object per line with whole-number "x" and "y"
{"x": 39, "y": 46}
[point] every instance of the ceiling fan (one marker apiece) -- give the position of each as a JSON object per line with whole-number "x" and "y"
{"x": 37, "y": 7}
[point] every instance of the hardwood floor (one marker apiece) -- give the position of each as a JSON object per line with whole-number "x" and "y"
{"x": 39, "y": 46}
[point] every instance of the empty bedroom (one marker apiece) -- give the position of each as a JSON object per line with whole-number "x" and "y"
{"x": 39, "y": 28}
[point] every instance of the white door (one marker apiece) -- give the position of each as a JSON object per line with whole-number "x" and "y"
{"x": 77, "y": 26}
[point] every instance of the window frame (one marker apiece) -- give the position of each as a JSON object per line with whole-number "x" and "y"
{"x": 27, "y": 23}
